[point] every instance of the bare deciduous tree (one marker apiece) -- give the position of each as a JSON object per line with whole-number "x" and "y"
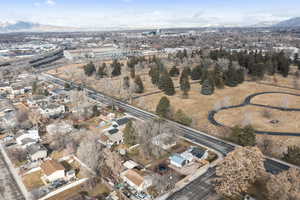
{"x": 238, "y": 171}
{"x": 165, "y": 182}
{"x": 284, "y": 186}
{"x": 113, "y": 161}
{"x": 90, "y": 152}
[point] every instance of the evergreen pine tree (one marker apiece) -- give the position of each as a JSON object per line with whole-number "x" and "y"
{"x": 240, "y": 76}
{"x": 169, "y": 87}
{"x": 130, "y": 134}
{"x": 116, "y": 68}
{"x": 185, "y": 84}
{"x": 101, "y": 71}
{"x": 196, "y": 73}
{"x": 89, "y": 69}
{"x": 218, "y": 78}
{"x": 182, "y": 118}
{"x": 231, "y": 77}
{"x": 208, "y": 87}
{"x": 163, "y": 108}
{"x": 139, "y": 84}
{"x": 154, "y": 74}
{"x": 174, "y": 71}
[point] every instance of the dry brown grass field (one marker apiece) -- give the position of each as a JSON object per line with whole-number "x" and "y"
{"x": 254, "y": 115}
{"x": 197, "y": 105}
{"x": 279, "y": 100}
{"x": 111, "y": 86}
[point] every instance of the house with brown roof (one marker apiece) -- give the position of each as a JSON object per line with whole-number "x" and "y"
{"x": 136, "y": 179}
{"x": 52, "y": 170}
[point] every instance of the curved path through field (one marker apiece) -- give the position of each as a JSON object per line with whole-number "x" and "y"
{"x": 247, "y": 101}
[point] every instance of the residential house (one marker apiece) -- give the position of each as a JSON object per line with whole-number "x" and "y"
{"x": 52, "y": 109}
{"x": 195, "y": 153}
{"x": 60, "y": 95}
{"x": 36, "y": 152}
{"x": 111, "y": 137}
{"x": 164, "y": 140}
{"x": 188, "y": 156}
{"x": 9, "y": 120}
{"x": 121, "y": 122}
{"x": 130, "y": 164}
{"x": 112, "y": 196}
{"x": 107, "y": 116}
{"x": 52, "y": 170}
{"x": 17, "y": 89}
{"x": 35, "y": 100}
{"x": 136, "y": 179}
{"x": 178, "y": 161}
{"x": 26, "y": 138}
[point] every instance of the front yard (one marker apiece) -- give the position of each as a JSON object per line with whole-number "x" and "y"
{"x": 33, "y": 180}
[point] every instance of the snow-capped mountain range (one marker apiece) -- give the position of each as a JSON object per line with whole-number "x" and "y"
{"x": 24, "y": 26}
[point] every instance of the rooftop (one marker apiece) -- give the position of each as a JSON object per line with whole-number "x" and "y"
{"x": 32, "y": 149}
{"x": 177, "y": 159}
{"x": 51, "y": 166}
{"x": 134, "y": 177}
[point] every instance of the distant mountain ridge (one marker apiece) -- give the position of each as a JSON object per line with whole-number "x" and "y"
{"x": 23, "y": 26}
{"x": 293, "y": 22}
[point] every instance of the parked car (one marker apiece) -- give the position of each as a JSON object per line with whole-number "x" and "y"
{"x": 58, "y": 183}
{"x": 10, "y": 144}
{"x": 8, "y": 138}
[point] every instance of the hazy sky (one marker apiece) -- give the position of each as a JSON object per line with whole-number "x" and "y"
{"x": 147, "y": 13}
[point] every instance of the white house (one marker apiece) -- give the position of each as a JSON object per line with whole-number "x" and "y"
{"x": 24, "y": 137}
{"x": 136, "y": 180}
{"x": 35, "y": 100}
{"x": 36, "y": 152}
{"x": 49, "y": 110}
{"x": 178, "y": 161}
{"x": 52, "y": 170}
{"x": 111, "y": 137}
{"x": 17, "y": 90}
{"x": 195, "y": 153}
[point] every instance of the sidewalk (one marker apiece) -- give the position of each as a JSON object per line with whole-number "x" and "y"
{"x": 15, "y": 175}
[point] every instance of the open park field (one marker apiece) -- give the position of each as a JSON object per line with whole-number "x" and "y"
{"x": 197, "y": 106}
{"x": 278, "y": 100}
{"x": 111, "y": 86}
{"x": 286, "y": 121}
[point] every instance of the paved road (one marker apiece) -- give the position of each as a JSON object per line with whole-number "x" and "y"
{"x": 247, "y": 102}
{"x": 199, "y": 189}
{"x": 8, "y": 187}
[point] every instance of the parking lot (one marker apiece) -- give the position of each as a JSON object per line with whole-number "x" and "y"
{"x": 201, "y": 188}
{"x": 8, "y": 187}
